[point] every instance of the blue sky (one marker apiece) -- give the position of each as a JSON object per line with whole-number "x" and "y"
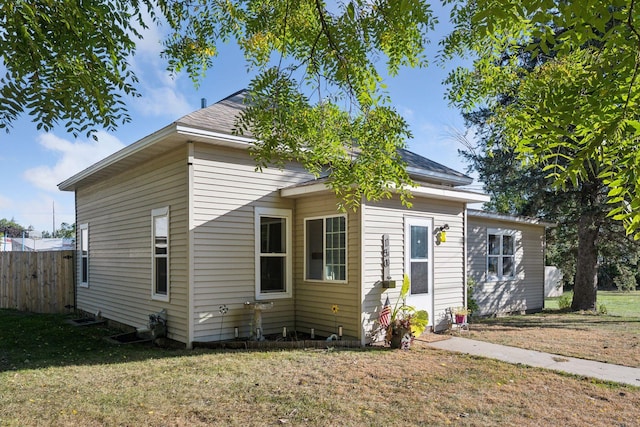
{"x": 32, "y": 163}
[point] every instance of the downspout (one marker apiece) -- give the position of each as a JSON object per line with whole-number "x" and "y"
{"x": 190, "y": 244}
{"x": 363, "y": 315}
{"x": 75, "y": 259}
{"x": 465, "y": 266}
{"x": 544, "y": 264}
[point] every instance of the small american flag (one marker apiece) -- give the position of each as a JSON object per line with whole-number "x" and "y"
{"x": 385, "y": 314}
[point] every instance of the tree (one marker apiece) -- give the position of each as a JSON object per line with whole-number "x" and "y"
{"x": 58, "y": 55}
{"x": 317, "y": 98}
{"x": 526, "y": 188}
{"x": 585, "y": 240}
{"x": 583, "y": 100}
{"x": 66, "y": 231}
{"x": 10, "y": 228}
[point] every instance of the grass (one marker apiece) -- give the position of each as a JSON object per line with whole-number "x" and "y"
{"x": 612, "y": 338}
{"x": 617, "y": 303}
{"x": 55, "y": 374}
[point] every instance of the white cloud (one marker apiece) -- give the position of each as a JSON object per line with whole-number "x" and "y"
{"x": 160, "y": 96}
{"x": 162, "y": 101}
{"x": 406, "y": 112}
{"x": 150, "y": 45}
{"x": 72, "y": 157}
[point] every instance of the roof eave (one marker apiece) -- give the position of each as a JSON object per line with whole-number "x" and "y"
{"x": 149, "y": 140}
{"x": 510, "y": 218}
{"x": 185, "y": 133}
{"x": 424, "y": 191}
{"x": 441, "y": 177}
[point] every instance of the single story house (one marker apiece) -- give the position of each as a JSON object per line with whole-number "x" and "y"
{"x": 181, "y": 221}
{"x": 506, "y": 261}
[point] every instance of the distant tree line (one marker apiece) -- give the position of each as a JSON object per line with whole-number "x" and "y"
{"x": 10, "y": 228}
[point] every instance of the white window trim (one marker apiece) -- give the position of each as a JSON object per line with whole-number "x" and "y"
{"x": 288, "y": 216}
{"x": 159, "y": 212}
{"x": 501, "y": 232}
{"x": 324, "y": 248}
{"x": 81, "y": 228}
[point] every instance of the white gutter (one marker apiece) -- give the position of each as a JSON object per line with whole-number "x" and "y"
{"x": 436, "y": 193}
{"x": 241, "y": 141}
{"x": 502, "y": 217}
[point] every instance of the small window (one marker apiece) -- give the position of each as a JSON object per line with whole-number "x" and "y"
{"x": 160, "y": 251}
{"x": 84, "y": 255}
{"x": 501, "y": 254}
{"x": 273, "y": 253}
{"x": 326, "y": 249}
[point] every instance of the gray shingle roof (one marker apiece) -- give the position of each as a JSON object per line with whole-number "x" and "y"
{"x": 421, "y": 167}
{"x": 220, "y": 117}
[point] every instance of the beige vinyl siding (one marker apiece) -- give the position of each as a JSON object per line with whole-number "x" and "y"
{"x": 314, "y": 299}
{"x": 226, "y": 191}
{"x": 388, "y": 217}
{"x": 526, "y": 291}
{"x": 118, "y": 213}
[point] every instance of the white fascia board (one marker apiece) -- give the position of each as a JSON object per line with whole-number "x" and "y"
{"x": 188, "y": 133}
{"x": 303, "y": 190}
{"x": 510, "y": 218}
{"x": 450, "y": 194}
{"x": 147, "y": 141}
{"x": 203, "y": 135}
{"x": 436, "y": 193}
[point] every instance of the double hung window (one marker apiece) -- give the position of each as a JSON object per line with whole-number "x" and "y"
{"x": 326, "y": 248}
{"x": 160, "y": 253}
{"x": 84, "y": 255}
{"x": 501, "y": 254}
{"x": 273, "y": 253}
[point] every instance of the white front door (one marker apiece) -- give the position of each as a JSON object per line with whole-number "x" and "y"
{"x": 419, "y": 263}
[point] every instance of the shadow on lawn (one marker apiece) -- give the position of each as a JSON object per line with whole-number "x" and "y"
{"x": 32, "y": 341}
{"x": 556, "y": 319}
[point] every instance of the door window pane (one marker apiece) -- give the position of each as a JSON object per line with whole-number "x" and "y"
{"x": 419, "y": 278}
{"x": 419, "y": 242}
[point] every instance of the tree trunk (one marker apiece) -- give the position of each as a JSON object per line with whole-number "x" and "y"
{"x": 585, "y": 286}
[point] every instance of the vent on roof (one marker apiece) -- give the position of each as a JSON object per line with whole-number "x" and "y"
{"x": 203, "y": 102}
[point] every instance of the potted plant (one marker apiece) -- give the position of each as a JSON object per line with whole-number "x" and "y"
{"x": 460, "y": 314}
{"x": 405, "y": 322}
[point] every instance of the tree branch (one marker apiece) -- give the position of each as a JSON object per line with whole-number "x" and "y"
{"x": 637, "y": 65}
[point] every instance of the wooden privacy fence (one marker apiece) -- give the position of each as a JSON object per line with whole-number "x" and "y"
{"x": 40, "y": 282}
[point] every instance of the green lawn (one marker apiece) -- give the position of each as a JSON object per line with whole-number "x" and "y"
{"x": 626, "y": 304}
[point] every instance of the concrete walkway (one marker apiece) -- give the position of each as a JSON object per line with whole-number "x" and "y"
{"x": 587, "y": 368}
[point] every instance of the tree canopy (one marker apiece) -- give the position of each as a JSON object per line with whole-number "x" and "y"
{"x": 318, "y": 97}
{"x": 576, "y": 115}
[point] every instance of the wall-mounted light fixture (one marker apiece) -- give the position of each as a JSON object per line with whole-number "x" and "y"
{"x": 441, "y": 233}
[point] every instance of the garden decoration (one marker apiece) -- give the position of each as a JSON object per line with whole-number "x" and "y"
{"x": 404, "y": 322}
